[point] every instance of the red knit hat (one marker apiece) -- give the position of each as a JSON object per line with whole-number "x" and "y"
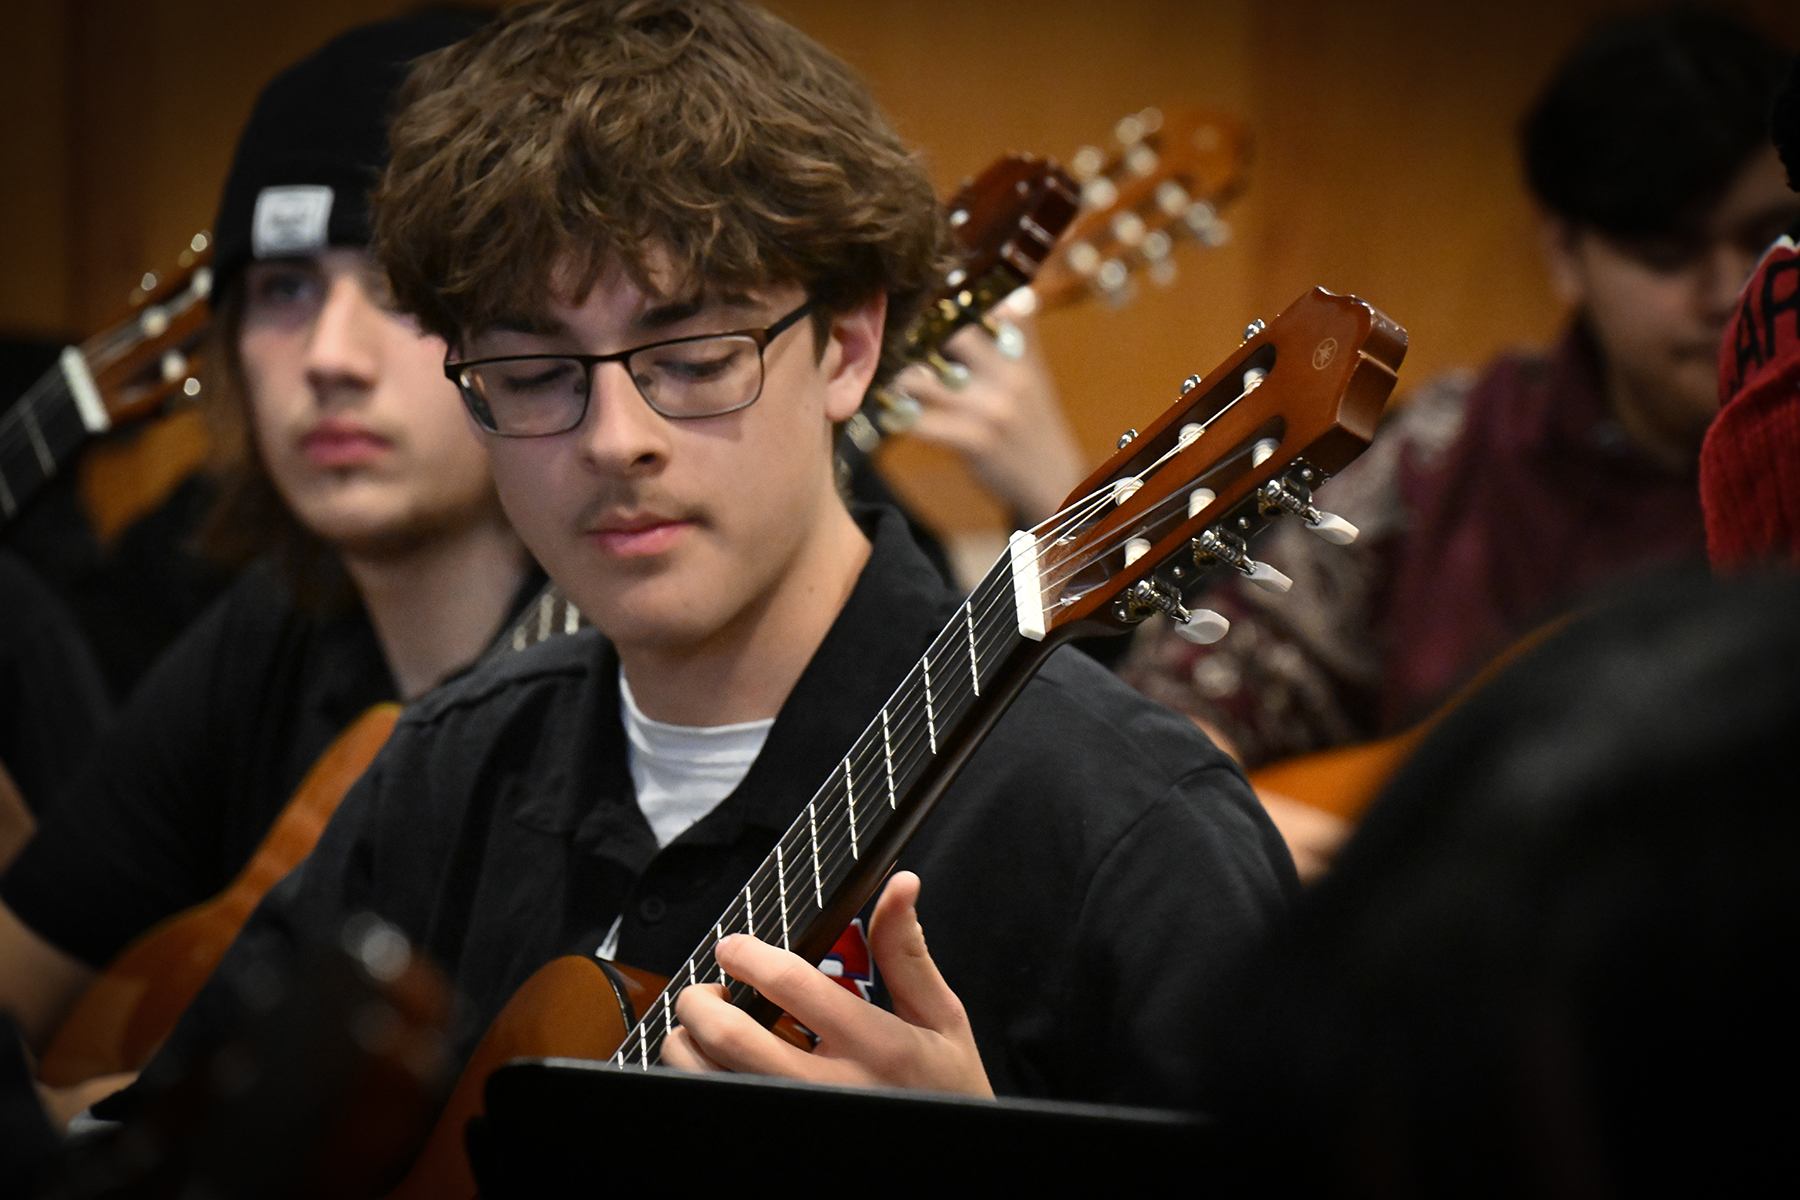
{"x": 1750, "y": 463}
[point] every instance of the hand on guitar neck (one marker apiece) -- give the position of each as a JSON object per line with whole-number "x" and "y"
{"x": 1001, "y": 413}
{"x": 924, "y": 1043}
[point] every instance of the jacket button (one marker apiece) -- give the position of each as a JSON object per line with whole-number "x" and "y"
{"x": 651, "y": 909}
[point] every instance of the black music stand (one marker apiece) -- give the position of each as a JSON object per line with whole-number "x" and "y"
{"x": 564, "y": 1127}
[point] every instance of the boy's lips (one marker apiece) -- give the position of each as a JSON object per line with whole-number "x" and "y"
{"x": 342, "y": 444}
{"x": 638, "y": 536}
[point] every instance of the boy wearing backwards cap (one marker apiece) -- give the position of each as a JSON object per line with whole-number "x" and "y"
{"x": 349, "y": 468}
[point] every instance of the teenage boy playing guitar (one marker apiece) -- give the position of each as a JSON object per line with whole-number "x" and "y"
{"x": 671, "y": 246}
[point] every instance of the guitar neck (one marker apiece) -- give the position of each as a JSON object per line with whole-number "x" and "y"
{"x": 834, "y": 856}
{"x": 45, "y": 428}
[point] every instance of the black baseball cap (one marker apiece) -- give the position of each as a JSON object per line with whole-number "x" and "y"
{"x": 316, "y": 143}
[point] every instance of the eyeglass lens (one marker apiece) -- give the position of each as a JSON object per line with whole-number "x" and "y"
{"x": 697, "y": 378}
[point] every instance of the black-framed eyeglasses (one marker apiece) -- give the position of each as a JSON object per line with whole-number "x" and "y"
{"x": 537, "y": 395}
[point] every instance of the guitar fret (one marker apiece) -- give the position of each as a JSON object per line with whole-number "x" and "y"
{"x": 930, "y": 715}
{"x": 35, "y": 432}
{"x": 749, "y": 914}
{"x": 974, "y": 663}
{"x": 812, "y": 822}
{"x": 781, "y": 893}
{"x": 718, "y": 936}
{"x": 850, "y": 804}
{"x": 887, "y": 756}
{"x": 668, "y": 1019}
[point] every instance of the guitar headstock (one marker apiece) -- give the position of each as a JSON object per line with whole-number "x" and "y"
{"x": 150, "y": 357}
{"x": 1248, "y": 443}
{"x": 1164, "y": 182}
{"x": 1008, "y": 220}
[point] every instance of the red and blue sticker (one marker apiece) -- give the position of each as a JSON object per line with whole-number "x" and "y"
{"x": 849, "y": 964}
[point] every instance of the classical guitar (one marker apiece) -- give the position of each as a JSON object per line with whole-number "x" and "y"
{"x": 130, "y": 371}
{"x": 127, "y": 1012}
{"x": 1049, "y": 238}
{"x": 1006, "y": 221}
{"x": 1240, "y": 448}
{"x": 1161, "y": 185}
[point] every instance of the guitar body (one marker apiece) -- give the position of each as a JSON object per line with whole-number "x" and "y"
{"x": 1343, "y": 781}
{"x": 570, "y": 1008}
{"x": 134, "y": 1004}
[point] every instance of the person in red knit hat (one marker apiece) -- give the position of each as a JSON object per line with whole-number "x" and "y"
{"x": 1750, "y": 462}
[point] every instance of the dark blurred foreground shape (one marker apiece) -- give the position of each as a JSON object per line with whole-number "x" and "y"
{"x": 1556, "y": 957}
{"x": 326, "y": 1088}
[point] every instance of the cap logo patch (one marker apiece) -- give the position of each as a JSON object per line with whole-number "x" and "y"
{"x": 291, "y": 220}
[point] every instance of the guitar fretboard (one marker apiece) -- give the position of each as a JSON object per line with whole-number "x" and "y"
{"x": 870, "y": 786}
{"x": 44, "y": 428}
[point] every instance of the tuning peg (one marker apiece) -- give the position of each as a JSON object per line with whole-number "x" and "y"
{"x": 1129, "y": 228}
{"x": 1264, "y": 450}
{"x": 1333, "y": 528}
{"x": 899, "y": 411}
{"x": 1203, "y": 627}
{"x": 1087, "y": 163}
{"x": 1083, "y": 258}
{"x": 1009, "y": 339}
{"x": 955, "y": 376}
{"x": 174, "y": 365}
{"x": 1099, "y": 192}
{"x": 862, "y": 433}
{"x": 1278, "y": 497}
{"x": 1130, "y": 130}
{"x": 1021, "y": 302}
{"x": 1251, "y": 330}
{"x": 1162, "y": 273}
{"x": 1151, "y": 119}
{"x": 1142, "y": 161}
{"x": 1198, "y": 499}
{"x": 1114, "y": 282}
{"x": 1136, "y": 548}
{"x": 1172, "y": 198}
{"x": 1266, "y": 577}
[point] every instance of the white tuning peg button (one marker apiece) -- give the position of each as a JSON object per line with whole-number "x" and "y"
{"x": 1267, "y": 578}
{"x": 1334, "y": 529}
{"x": 1203, "y": 627}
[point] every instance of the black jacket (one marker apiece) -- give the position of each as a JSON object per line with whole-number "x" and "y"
{"x": 1083, "y": 882}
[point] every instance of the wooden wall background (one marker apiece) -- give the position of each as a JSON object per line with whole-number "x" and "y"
{"x": 1383, "y": 131}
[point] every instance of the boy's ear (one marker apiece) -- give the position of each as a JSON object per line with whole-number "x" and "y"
{"x": 1560, "y": 243}
{"x": 852, "y": 352}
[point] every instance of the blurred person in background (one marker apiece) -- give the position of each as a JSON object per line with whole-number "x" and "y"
{"x": 352, "y": 481}
{"x": 1488, "y": 504}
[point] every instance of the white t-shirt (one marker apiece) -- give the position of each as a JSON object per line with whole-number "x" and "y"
{"x": 683, "y": 771}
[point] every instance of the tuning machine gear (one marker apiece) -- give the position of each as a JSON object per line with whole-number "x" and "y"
{"x": 1278, "y": 496}
{"x": 1212, "y": 548}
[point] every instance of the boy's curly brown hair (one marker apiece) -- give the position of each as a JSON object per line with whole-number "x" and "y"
{"x": 586, "y": 134}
